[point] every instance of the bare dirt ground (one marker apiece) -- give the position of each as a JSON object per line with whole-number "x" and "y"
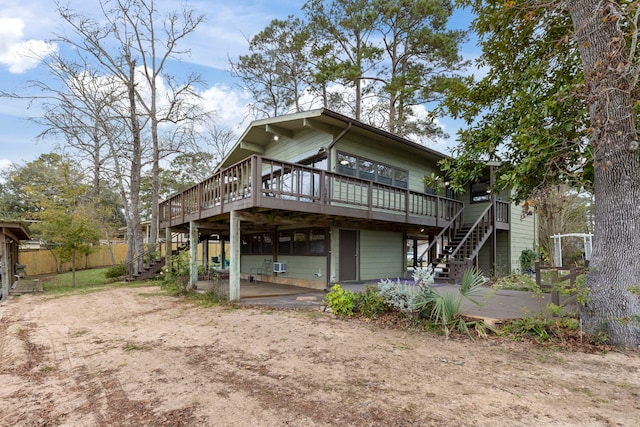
{"x": 134, "y": 357}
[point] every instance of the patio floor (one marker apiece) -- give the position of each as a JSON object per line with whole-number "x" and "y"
{"x": 495, "y": 306}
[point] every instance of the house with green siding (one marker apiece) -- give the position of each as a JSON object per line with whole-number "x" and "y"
{"x": 316, "y": 198}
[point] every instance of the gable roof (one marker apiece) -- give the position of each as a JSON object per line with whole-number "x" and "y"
{"x": 261, "y": 133}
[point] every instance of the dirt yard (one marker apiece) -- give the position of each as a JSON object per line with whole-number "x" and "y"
{"x": 133, "y": 357}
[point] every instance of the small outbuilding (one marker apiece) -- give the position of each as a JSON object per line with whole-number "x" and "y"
{"x": 11, "y": 233}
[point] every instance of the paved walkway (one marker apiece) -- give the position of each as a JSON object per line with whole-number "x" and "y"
{"x": 495, "y": 307}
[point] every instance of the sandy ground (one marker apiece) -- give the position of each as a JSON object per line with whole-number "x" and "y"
{"x": 133, "y": 357}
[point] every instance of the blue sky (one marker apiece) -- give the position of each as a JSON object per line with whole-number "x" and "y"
{"x": 30, "y": 24}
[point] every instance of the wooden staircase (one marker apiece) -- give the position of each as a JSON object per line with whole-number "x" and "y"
{"x": 460, "y": 245}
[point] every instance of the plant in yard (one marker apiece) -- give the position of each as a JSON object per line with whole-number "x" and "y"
{"x": 424, "y": 276}
{"x": 528, "y": 258}
{"x": 444, "y": 308}
{"x": 397, "y": 295}
{"x": 340, "y": 301}
{"x": 176, "y": 272}
{"x": 516, "y": 282}
{"x": 118, "y": 270}
{"x": 369, "y": 303}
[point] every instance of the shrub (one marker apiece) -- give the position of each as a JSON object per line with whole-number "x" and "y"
{"x": 528, "y": 258}
{"x": 118, "y": 270}
{"x": 369, "y": 303}
{"x": 397, "y": 295}
{"x": 444, "y": 309}
{"x": 176, "y": 273}
{"x": 516, "y": 282}
{"x": 340, "y": 301}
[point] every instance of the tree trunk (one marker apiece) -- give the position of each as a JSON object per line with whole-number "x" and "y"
{"x": 613, "y": 307}
{"x": 136, "y": 239}
{"x": 73, "y": 268}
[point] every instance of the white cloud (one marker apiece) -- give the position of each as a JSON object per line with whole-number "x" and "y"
{"x": 17, "y": 54}
{"x": 4, "y": 164}
{"x": 230, "y": 106}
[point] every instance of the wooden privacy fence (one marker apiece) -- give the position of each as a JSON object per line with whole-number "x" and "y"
{"x": 42, "y": 261}
{"x": 556, "y": 278}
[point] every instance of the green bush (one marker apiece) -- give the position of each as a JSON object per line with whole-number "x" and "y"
{"x": 176, "y": 273}
{"x": 340, "y": 301}
{"x": 369, "y": 303}
{"x": 516, "y": 282}
{"x": 528, "y": 258}
{"x": 118, "y": 270}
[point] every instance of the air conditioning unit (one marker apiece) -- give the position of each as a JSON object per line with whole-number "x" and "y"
{"x": 279, "y": 267}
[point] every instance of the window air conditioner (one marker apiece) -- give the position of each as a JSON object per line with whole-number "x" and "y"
{"x": 279, "y": 267}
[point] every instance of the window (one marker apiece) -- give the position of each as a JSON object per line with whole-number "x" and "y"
{"x": 317, "y": 241}
{"x": 300, "y": 243}
{"x": 401, "y": 178}
{"x": 347, "y": 164}
{"x": 372, "y": 171}
{"x": 307, "y": 241}
{"x": 366, "y": 170}
{"x": 480, "y": 192}
{"x": 385, "y": 174}
{"x": 284, "y": 242}
{"x": 257, "y": 244}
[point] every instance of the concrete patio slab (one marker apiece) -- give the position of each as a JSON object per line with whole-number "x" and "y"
{"x": 495, "y": 306}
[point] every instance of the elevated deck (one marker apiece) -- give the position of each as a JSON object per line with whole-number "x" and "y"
{"x": 268, "y": 184}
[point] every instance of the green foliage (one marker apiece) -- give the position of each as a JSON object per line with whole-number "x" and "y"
{"x": 395, "y": 54}
{"x": 211, "y": 297}
{"x": 541, "y": 329}
{"x": 86, "y": 281}
{"x": 528, "y": 110}
{"x": 369, "y": 303}
{"x": 444, "y": 308}
{"x": 176, "y": 274}
{"x": 118, "y": 270}
{"x": 528, "y": 258}
{"x": 516, "y": 282}
{"x": 340, "y": 301}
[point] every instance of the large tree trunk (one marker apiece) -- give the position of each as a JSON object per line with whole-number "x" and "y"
{"x": 136, "y": 241}
{"x": 613, "y": 307}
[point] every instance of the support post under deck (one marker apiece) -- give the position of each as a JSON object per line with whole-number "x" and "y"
{"x": 234, "y": 257}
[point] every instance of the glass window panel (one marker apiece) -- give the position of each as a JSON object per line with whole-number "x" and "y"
{"x": 256, "y": 243}
{"x": 284, "y": 242}
{"x": 317, "y": 241}
{"x": 366, "y": 170}
{"x": 346, "y": 164}
{"x": 267, "y": 244}
{"x": 245, "y": 247}
{"x": 480, "y": 192}
{"x": 401, "y": 178}
{"x": 300, "y": 243}
{"x": 385, "y": 174}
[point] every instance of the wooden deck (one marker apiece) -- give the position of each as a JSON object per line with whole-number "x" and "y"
{"x": 263, "y": 183}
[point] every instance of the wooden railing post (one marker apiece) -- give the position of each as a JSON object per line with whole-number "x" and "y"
{"x": 255, "y": 187}
{"x": 406, "y": 204}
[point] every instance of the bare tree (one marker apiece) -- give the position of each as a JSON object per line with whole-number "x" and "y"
{"x": 130, "y": 46}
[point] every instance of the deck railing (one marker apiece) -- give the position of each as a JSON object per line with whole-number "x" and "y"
{"x": 258, "y": 181}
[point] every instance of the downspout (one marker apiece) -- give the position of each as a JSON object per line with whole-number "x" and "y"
{"x": 332, "y": 229}
{"x": 334, "y": 142}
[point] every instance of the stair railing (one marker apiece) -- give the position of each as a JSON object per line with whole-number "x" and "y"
{"x": 471, "y": 243}
{"x": 151, "y": 254}
{"x": 449, "y": 231}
